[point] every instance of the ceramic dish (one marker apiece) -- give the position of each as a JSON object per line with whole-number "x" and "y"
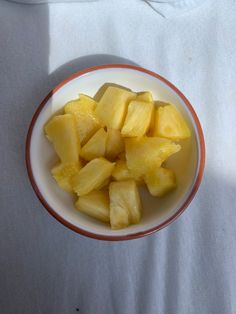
{"x": 158, "y": 213}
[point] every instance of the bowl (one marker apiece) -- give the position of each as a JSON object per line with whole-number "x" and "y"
{"x": 158, "y": 212}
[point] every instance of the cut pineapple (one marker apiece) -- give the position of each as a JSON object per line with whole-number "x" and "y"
{"x": 104, "y": 184}
{"x": 62, "y": 132}
{"x": 84, "y": 104}
{"x": 147, "y": 153}
{"x": 84, "y": 111}
{"x": 95, "y": 204}
{"x": 123, "y": 127}
{"x": 115, "y": 144}
{"x": 138, "y": 118}
{"x": 170, "y": 123}
{"x": 125, "y": 204}
{"x": 92, "y": 176}
{"x": 96, "y": 146}
{"x": 63, "y": 174}
{"x": 144, "y": 96}
{"x": 112, "y": 107}
{"x": 151, "y": 131}
{"x": 101, "y": 91}
{"x": 121, "y": 172}
{"x": 88, "y": 102}
{"x": 122, "y": 156}
{"x": 160, "y": 181}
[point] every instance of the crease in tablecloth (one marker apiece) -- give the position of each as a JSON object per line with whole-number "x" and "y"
{"x": 166, "y": 8}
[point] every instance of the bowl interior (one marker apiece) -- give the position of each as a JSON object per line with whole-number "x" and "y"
{"x": 185, "y": 163}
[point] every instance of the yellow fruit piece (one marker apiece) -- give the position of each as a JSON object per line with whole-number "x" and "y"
{"x": 160, "y": 181}
{"x": 95, "y": 204}
{"x": 112, "y": 107}
{"x": 121, "y": 172}
{"x": 115, "y": 144}
{"x": 138, "y": 118}
{"x": 100, "y": 92}
{"x": 170, "y": 123}
{"x": 84, "y": 111}
{"x": 89, "y": 101}
{"x": 125, "y": 204}
{"x": 63, "y": 174}
{"x": 92, "y": 176}
{"x": 153, "y": 122}
{"x": 62, "y": 132}
{"x": 104, "y": 184}
{"x": 84, "y": 104}
{"x": 122, "y": 156}
{"x": 144, "y": 96}
{"x": 96, "y": 146}
{"x": 147, "y": 153}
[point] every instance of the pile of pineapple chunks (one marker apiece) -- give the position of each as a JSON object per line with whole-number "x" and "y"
{"x": 107, "y": 148}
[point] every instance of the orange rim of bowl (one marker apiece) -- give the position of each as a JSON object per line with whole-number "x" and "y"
{"x": 201, "y": 149}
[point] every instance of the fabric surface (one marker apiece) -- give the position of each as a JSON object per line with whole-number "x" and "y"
{"x": 168, "y": 8}
{"x": 49, "y": 1}
{"x": 165, "y": 8}
{"x": 188, "y": 267}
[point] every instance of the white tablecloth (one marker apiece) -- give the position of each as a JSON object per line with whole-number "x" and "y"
{"x": 190, "y": 266}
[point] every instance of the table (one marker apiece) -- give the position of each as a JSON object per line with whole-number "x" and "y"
{"x": 190, "y": 266}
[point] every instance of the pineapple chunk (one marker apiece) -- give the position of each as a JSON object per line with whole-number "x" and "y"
{"x": 101, "y": 91}
{"x": 63, "y": 174}
{"x": 160, "y": 181}
{"x": 122, "y": 156}
{"x": 89, "y": 102}
{"x": 96, "y": 146}
{"x": 92, "y": 176}
{"x": 61, "y": 131}
{"x": 115, "y": 144}
{"x": 170, "y": 123}
{"x": 125, "y": 204}
{"x": 144, "y": 96}
{"x": 84, "y": 111}
{"x": 121, "y": 172}
{"x": 138, "y": 118}
{"x": 152, "y": 123}
{"x": 95, "y": 204}
{"x": 112, "y": 107}
{"x": 147, "y": 153}
{"x": 104, "y": 184}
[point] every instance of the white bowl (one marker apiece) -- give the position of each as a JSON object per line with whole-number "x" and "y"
{"x": 158, "y": 213}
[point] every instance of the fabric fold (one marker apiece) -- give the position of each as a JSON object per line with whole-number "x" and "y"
{"x": 168, "y": 8}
